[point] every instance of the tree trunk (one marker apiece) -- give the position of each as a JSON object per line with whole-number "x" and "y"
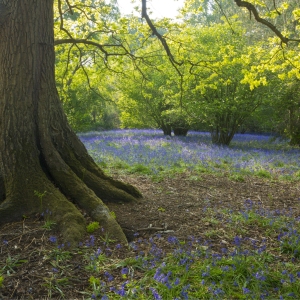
{"x": 42, "y": 162}
{"x": 294, "y": 126}
{"x": 166, "y": 129}
{"x": 180, "y": 131}
{"x": 221, "y": 136}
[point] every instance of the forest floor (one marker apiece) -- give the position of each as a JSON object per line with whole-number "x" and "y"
{"x": 34, "y": 268}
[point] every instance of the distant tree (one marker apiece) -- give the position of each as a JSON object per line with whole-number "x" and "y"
{"x": 149, "y": 90}
{"x": 148, "y": 99}
{"x": 281, "y": 19}
{"x": 214, "y": 89}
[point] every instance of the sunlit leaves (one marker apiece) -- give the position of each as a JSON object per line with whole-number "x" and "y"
{"x": 225, "y": 64}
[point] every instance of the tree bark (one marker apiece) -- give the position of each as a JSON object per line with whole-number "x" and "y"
{"x": 42, "y": 161}
{"x": 167, "y": 129}
{"x": 180, "y": 131}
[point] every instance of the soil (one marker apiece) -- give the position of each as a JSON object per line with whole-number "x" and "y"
{"x": 33, "y": 267}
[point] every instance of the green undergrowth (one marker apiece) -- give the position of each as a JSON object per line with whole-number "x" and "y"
{"x": 148, "y": 153}
{"x": 234, "y": 264}
{"x": 162, "y": 172}
{"x": 252, "y": 253}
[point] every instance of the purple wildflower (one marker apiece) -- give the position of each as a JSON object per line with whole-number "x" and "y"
{"x": 118, "y": 246}
{"x": 108, "y": 276}
{"x": 260, "y": 276}
{"x": 53, "y": 239}
{"x": 237, "y": 241}
{"x": 124, "y": 271}
{"x": 155, "y": 294}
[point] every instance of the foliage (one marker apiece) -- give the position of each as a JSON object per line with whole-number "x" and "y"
{"x": 227, "y": 78}
{"x": 93, "y": 226}
{"x": 83, "y": 71}
{"x": 86, "y": 93}
{"x": 210, "y": 88}
{"x": 216, "y": 93}
{"x": 149, "y": 89}
{"x": 11, "y": 263}
{"x": 244, "y": 268}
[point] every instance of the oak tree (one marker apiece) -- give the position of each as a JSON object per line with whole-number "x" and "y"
{"x": 43, "y": 164}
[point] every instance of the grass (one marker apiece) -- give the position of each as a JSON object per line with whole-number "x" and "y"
{"x": 263, "y": 265}
{"x": 243, "y": 267}
{"x": 260, "y": 266}
{"x": 246, "y": 268}
{"x": 148, "y": 152}
{"x": 249, "y": 254}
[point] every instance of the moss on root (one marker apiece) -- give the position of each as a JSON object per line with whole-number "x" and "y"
{"x": 73, "y": 228}
{"x": 64, "y": 175}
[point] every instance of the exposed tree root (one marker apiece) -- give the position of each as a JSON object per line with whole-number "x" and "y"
{"x": 40, "y": 197}
{"x": 57, "y": 181}
{"x": 64, "y": 213}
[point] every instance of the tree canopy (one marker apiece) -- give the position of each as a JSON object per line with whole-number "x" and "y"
{"x": 156, "y": 73}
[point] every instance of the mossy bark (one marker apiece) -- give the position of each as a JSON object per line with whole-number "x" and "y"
{"x": 40, "y": 154}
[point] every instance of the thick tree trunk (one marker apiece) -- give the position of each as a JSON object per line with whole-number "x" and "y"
{"x": 39, "y": 152}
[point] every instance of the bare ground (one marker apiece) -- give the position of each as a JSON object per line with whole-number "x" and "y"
{"x": 34, "y": 268}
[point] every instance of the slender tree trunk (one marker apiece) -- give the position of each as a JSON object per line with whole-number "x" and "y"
{"x": 166, "y": 129}
{"x": 294, "y": 126}
{"x": 42, "y": 162}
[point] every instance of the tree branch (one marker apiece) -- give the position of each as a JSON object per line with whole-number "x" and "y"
{"x": 251, "y": 8}
{"x": 165, "y": 45}
{"x": 222, "y": 11}
{"x": 159, "y": 36}
{"x": 87, "y": 42}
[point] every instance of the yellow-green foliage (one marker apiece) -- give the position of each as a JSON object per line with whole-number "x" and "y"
{"x": 94, "y": 281}
{"x": 1, "y": 281}
{"x": 92, "y": 227}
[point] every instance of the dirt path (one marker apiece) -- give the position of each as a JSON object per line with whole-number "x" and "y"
{"x": 178, "y": 205}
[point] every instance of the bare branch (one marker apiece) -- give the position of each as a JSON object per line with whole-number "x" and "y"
{"x": 88, "y": 81}
{"x": 222, "y": 11}
{"x": 159, "y": 36}
{"x": 62, "y": 19}
{"x": 99, "y": 46}
{"x": 276, "y": 8}
{"x": 70, "y": 7}
{"x": 165, "y": 45}
{"x": 251, "y": 8}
